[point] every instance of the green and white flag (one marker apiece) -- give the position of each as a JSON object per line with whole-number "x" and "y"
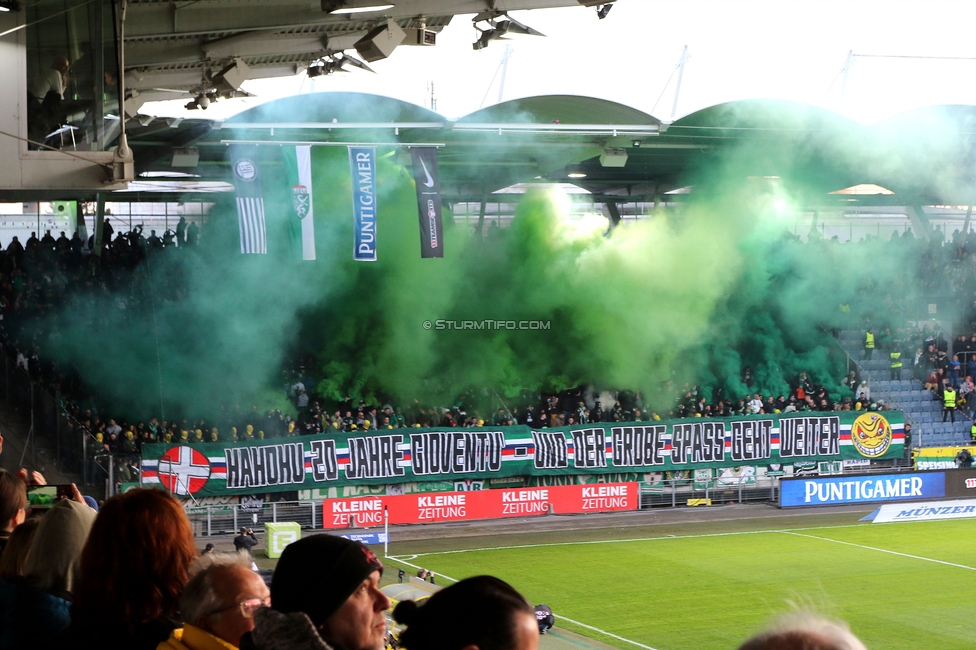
{"x": 298, "y": 162}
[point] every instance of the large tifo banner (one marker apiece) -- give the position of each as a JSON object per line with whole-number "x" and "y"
{"x": 479, "y": 504}
{"x": 407, "y": 455}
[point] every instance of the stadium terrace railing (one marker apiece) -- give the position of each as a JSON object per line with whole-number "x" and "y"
{"x": 689, "y": 492}
{"x": 223, "y": 519}
{"x": 50, "y": 440}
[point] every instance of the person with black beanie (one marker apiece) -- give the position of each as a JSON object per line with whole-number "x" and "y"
{"x": 324, "y": 595}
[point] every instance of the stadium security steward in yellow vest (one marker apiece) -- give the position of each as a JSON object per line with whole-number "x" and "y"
{"x": 949, "y": 398}
{"x": 895, "y": 365}
{"x": 949, "y": 403}
{"x": 869, "y": 340}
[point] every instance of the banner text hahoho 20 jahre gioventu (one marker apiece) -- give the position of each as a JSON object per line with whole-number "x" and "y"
{"x": 405, "y": 455}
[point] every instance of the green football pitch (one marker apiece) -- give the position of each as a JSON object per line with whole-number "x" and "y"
{"x": 908, "y": 585}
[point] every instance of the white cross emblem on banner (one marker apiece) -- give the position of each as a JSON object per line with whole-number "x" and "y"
{"x": 183, "y": 470}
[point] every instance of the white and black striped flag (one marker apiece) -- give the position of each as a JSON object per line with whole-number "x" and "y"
{"x": 250, "y": 201}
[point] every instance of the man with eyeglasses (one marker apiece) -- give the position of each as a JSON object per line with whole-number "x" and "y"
{"x": 324, "y": 594}
{"x": 218, "y": 604}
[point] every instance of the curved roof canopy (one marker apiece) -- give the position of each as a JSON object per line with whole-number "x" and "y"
{"x": 923, "y": 156}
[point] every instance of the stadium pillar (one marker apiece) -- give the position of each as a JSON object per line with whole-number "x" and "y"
{"x": 614, "y": 212}
{"x": 919, "y": 221}
{"x": 99, "y": 223}
{"x": 481, "y": 216}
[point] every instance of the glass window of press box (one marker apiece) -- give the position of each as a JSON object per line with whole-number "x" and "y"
{"x": 72, "y": 75}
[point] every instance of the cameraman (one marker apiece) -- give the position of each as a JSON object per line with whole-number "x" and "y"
{"x": 964, "y": 459}
{"x": 245, "y": 541}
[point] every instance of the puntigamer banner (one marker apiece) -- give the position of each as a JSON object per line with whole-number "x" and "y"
{"x": 407, "y": 455}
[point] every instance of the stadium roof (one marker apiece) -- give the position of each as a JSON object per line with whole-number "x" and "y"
{"x": 922, "y": 157}
{"x": 175, "y": 48}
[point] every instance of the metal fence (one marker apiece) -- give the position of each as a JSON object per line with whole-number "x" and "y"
{"x": 681, "y": 492}
{"x": 228, "y": 518}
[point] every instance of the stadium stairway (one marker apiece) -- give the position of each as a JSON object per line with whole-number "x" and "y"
{"x": 921, "y": 407}
{"x": 40, "y": 453}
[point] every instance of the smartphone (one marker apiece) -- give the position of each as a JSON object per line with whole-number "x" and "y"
{"x": 45, "y": 496}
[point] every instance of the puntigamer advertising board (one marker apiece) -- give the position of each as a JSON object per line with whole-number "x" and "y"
{"x": 861, "y": 489}
{"x": 406, "y": 455}
{"x": 907, "y": 486}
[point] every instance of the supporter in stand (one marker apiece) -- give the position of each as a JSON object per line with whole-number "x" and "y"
{"x": 324, "y": 593}
{"x": 15, "y": 555}
{"x": 804, "y": 632}
{"x": 218, "y": 604}
{"x": 13, "y": 504}
{"x": 36, "y": 609}
{"x": 133, "y": 569}
{"x": 482, "y": 613}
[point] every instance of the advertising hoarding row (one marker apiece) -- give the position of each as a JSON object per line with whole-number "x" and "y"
{"x": 364, "y": 512}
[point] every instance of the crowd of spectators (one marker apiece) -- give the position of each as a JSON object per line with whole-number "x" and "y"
{"x": 126, "y": 575}
{"x": 49, "y": 273}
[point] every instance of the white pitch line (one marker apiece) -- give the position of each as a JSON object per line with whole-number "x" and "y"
{"x": 631, "y": 540}
{"x": 881, "y": 550}
{"x": 610, "y": 634}
{"x": 569, "y": 620}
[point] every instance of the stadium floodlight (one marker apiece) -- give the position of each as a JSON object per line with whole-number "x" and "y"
{"x": 335, "y": 62}
{"x": 602, "y": 12}
{"x": 201, "y": 102}
{"x": 497, "y": 29}
{"x": 613, "y": 157}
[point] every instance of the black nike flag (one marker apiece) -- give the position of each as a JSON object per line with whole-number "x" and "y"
{"x": 428, "y": 201}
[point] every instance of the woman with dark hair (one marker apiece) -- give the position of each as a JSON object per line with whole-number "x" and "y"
{"x": 133, "y": 569}
{"x": 15, "y": 554}
{"x": 480, "y": 613}
{"x": 13, "y": 504}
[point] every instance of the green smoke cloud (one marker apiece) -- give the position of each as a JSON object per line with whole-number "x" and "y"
{"x": 691, "y": 294}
